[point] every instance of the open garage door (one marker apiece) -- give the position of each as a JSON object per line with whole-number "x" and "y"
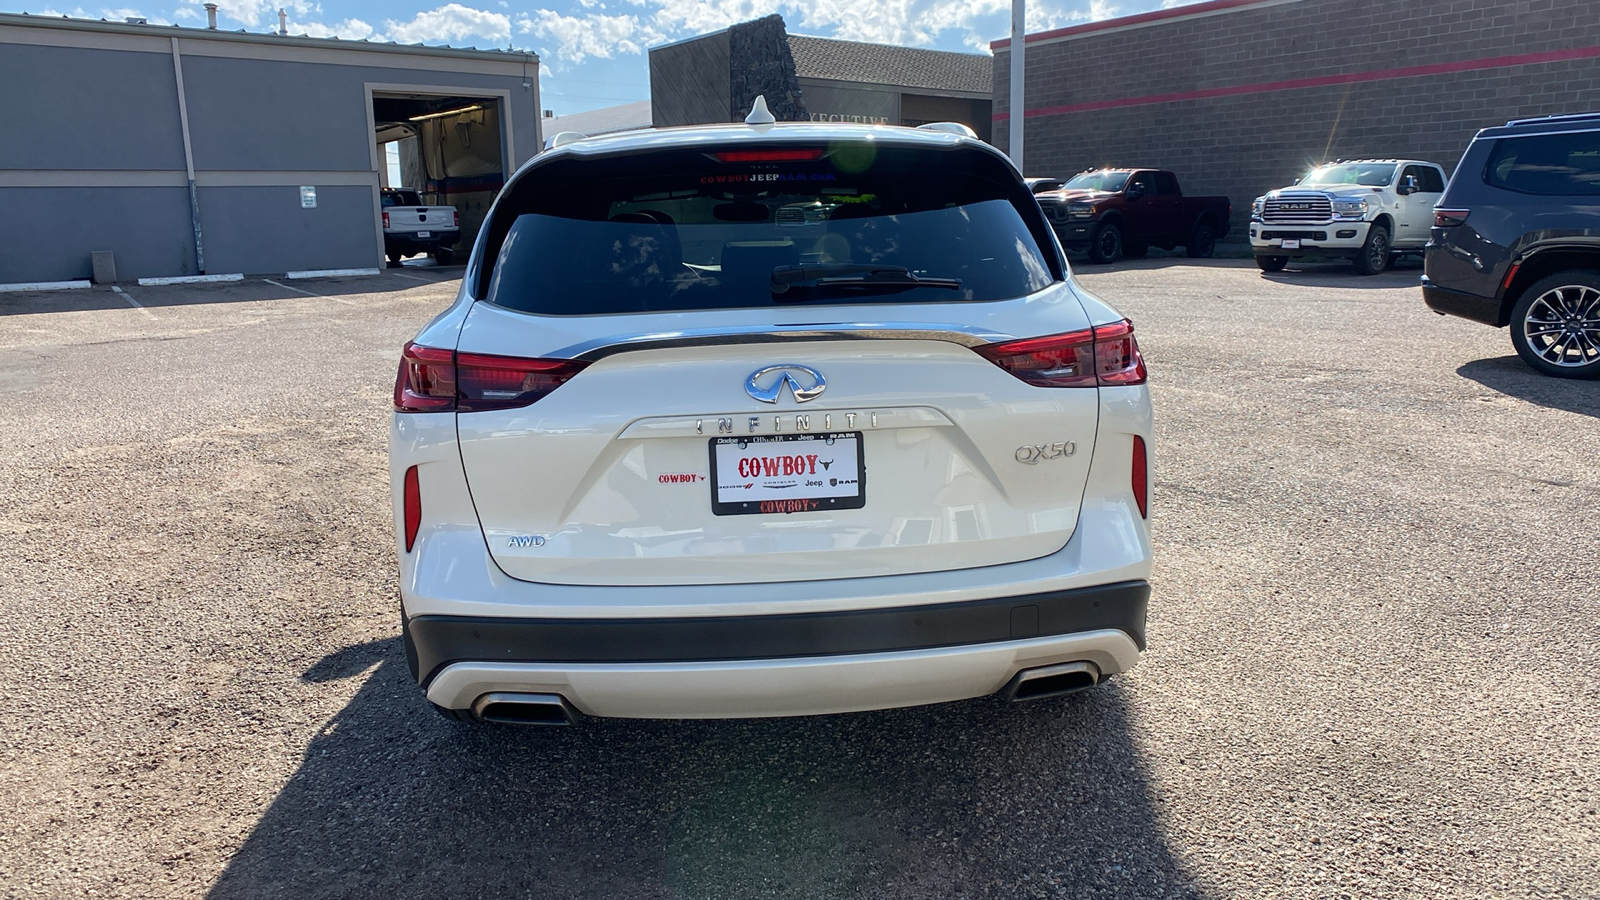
{"x": 452, "y": 152}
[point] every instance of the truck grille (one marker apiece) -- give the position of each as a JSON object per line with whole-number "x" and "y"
{"x": 1301, "y": 235}
{"x": 1297, "y": 209}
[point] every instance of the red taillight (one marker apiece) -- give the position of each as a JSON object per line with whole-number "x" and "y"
{"x": 386, "y": 219}
{"x": 804, "y": 154}
{"x": 502, "y": 382}
{"x": 1103, "y": 355}
{"x": 433, "y": 380}
{"x": 1141, "y": 477}
{"x": 413, "y": 507}
{"x": 457, "y": 216}
{"x": 427, "y": 380}
{"x": 1450, "y": 218}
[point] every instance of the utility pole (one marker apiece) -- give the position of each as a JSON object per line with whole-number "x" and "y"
{"x": 1019, "y": 33}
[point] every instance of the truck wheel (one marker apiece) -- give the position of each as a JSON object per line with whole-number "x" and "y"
{"x": 1135, "y": 251}
{"x": 1272, "y": 263}
{"x": 444, "y": 257}
{"x": 1203, "y": 242}
{"x": 1106, "y": 245}
{"x": 1555, "y": 324}
{"x": 394, "y": 259}
{"x": 1374, "y": 255}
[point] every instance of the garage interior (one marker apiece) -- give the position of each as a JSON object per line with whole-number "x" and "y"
{"x": 452, "y": 151}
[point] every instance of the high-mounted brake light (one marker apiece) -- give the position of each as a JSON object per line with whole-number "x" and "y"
{"x": 802, "y": 154}
{"x": 1105, "y": 355}
{"x": 434, "y": 380}
{"x": 1450, "y": 218}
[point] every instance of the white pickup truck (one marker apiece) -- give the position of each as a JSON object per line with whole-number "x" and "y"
{"x": 410, "y": 227}
{"x": 1366, "y": 210}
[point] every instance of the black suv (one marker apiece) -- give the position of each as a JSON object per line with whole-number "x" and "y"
{"x": 1516, "y": 241}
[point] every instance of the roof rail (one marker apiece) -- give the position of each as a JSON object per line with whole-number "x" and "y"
{"x": 1575, "y": 117}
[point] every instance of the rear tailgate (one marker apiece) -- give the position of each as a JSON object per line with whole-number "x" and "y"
{"x": 411, "y": 219}
{"x": 659, "y": 467}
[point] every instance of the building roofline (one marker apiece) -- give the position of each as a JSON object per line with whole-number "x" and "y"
{"x": 1141, "y": 20}
{"x": 834, "y": 40}
{"x": 250, "y": 37}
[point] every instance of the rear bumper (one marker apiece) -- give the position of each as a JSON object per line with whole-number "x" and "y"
{"x": 1461, "y": 303}
{"x": 407, "y": 243}
{"x": 440, "y": 641}
{"x": 719, "y": 689}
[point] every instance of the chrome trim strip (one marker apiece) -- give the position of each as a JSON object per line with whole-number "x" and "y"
{"x": 966, "y": 336}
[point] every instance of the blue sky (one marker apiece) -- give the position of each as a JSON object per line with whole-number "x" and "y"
{"x": 593, "y": 52}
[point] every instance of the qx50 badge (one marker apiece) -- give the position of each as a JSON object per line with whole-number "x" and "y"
{"x": 804, "y": 382}
{"x": 1033, "y": 453}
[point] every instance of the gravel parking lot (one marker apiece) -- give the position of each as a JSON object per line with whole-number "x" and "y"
{"x": 1374, "y": 667}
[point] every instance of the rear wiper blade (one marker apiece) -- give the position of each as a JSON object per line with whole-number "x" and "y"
{"x": 852, "y": 276}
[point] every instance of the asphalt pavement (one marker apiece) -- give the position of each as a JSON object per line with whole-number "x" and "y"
{"x": 1374, "y": 636}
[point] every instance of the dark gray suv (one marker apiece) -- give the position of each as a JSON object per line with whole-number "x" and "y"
{"x": 1516, "y": 241}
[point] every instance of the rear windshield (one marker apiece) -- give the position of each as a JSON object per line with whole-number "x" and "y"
{"x": 401, "y": 198}
{"x": 681, "y": 231}
{"x": 1548, "y": 164}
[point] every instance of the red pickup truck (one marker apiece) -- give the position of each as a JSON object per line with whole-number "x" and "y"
{"x": 1114, "y": 213}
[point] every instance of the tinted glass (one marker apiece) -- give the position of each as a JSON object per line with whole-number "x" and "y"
{"x": 401, "y": 198}
{"x": 1550, "y": 164}
{"x": 1166, "y": 183}
{"x": 685, "y": 231}
{"x": 1099, "y": 181}
{"x": 1367, "y": 174}
{"x": 1432, "y": 180}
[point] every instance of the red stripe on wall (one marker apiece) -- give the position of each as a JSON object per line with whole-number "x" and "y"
{"x": 1192, "y": 9}
{"x": 1470, "y": 65}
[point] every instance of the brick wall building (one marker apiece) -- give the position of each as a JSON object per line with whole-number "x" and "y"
{"x": 1242, "y": 96}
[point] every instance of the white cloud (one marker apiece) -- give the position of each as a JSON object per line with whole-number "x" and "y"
{"x": 349, "y": 29}
{"x": 450, "y": 22}
{"x": 575, "y": 38}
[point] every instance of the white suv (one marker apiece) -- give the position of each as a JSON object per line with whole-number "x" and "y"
{"x": 752, "y": 421}
{"x": 1365, "y": 210}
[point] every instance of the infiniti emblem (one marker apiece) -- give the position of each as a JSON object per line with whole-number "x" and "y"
{"x": 804, "y": 382}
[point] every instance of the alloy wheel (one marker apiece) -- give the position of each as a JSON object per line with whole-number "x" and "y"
{"x": 1562, "y": 326}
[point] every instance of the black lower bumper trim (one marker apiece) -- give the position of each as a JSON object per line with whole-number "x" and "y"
{"x": 436, "y": 641}
{"x": 1459, "y": 303}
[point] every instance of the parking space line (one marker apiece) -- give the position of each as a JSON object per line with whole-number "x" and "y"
{"x": 134, "y": 303}
{"x": 310, "y": 294}
{"x": 413, "y": 277}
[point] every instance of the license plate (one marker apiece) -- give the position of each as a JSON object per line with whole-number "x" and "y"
{"x": 424, "y": 234}
{"x": 1291, "y": 243}
{"x": 767, "y": 474}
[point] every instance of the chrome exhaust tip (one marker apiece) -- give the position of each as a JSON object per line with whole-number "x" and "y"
{"x": 1051, "y": 681}
{"x": 507, "y": 708}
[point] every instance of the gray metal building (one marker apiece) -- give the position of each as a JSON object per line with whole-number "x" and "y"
{"x": 189, "y": 150}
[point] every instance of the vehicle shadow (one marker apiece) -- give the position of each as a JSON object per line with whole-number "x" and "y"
{"x": 1511, "y": 376}
{"x": 1406, "y": 273}
{"x": 963, "y": 799}
{"x": 252, "y": 289}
